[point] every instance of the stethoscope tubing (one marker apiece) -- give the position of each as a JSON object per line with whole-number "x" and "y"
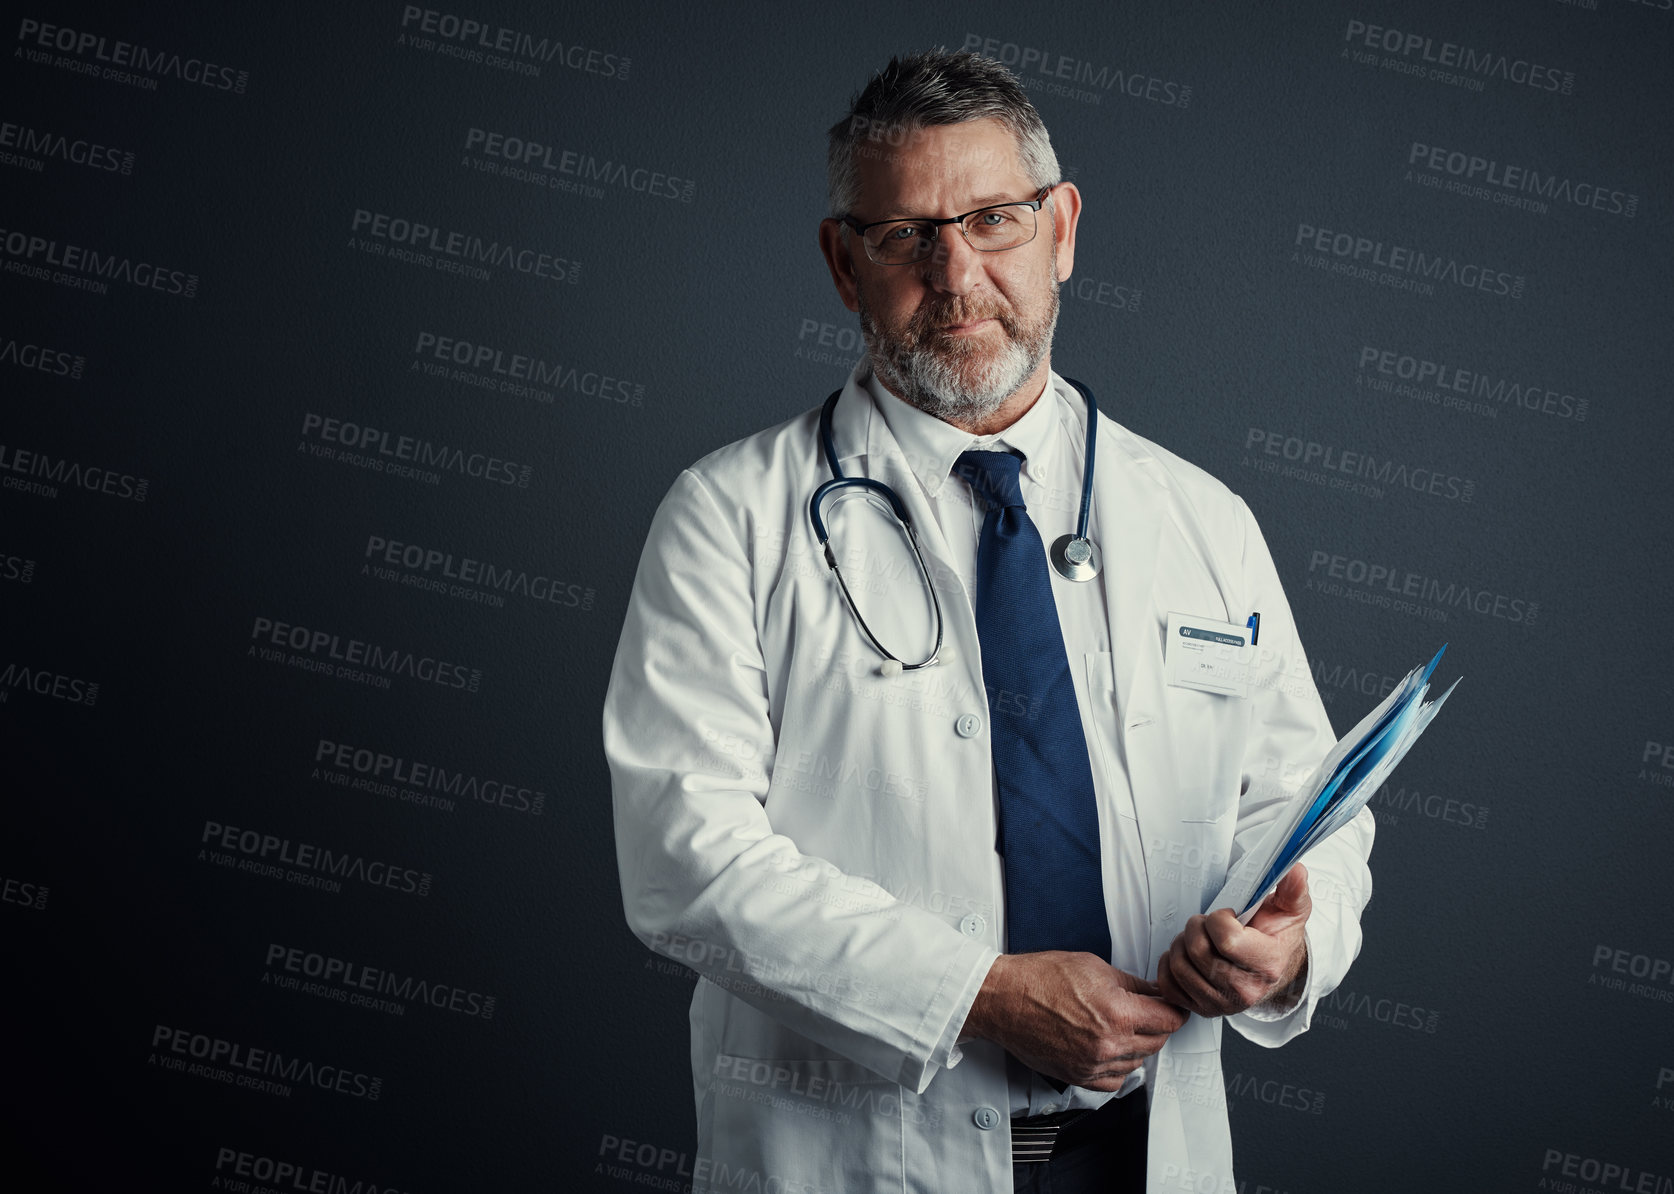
{"x": 840, "y": 481}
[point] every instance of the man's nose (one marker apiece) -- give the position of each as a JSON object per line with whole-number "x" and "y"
{"x": 953, "y": 266}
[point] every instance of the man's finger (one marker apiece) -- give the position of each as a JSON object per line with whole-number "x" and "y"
{"x": 1226, "y": 936}
{"x": 1166, "y": 986}
{"x": 1132, "y": 982}
{"x": 1156, "y": 1016}
{"x": 1208, "y": 953}
{"x": 1201, "y": 995}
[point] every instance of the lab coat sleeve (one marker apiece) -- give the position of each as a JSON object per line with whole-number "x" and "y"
{"x": 1290, "y": 734}
{"x": 689, "y": 735}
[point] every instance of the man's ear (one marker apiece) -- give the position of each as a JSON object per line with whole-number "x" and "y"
{"x": 1066, "y": 214}
{"x": 834, "y": 244}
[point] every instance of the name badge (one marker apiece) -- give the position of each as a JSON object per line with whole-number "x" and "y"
{"x": 1208, "y": 656}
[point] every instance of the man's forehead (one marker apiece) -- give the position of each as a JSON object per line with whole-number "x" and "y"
{"x": 912, "y": 172}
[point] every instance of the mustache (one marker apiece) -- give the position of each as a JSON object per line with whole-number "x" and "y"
{"x": 936, "y": 317}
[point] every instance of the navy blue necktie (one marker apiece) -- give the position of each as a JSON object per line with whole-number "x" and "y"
{"x": 1049, "y": 825}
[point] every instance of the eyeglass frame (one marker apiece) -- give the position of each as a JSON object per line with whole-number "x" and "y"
{"x": 935, "y": 226}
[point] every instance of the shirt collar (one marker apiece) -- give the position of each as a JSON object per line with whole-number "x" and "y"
{"x": 931, "y": 446}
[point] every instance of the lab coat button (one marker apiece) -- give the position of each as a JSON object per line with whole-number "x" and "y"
{"x": 986, "y": 1118}
{"x": 973, "y": 925}
{"x": 968, "y": 726}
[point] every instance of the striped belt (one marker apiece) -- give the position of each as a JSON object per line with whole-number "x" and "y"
{"x": 1034, "y": 1138}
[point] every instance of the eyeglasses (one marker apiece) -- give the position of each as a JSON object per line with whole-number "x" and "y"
{"x": 987, "y": 229}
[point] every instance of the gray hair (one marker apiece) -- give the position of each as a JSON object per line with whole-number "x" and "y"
{"x": 932, "y": 88}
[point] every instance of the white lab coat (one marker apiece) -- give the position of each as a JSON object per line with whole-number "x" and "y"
{"x": 817, "y": 840}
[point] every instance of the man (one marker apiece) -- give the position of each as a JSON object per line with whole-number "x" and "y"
{"x": 947, "y": 916}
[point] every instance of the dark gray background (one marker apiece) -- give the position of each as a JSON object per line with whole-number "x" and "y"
{"x": 1498, "y": 925}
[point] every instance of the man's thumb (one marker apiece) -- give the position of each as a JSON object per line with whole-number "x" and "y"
{"x": 1289, "y": 900}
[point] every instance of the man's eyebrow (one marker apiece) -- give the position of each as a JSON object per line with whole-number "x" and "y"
{"x": 980, "y": 201}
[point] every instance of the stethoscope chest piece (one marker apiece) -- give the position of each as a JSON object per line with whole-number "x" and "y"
{"x": 1076, "y": 558}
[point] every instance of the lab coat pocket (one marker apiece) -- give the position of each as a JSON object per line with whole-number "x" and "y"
{"x": 815, "y": 1124}
{"x": 1207, "y": 731}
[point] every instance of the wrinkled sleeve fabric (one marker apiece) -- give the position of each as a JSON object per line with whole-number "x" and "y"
{"x": 689, "y": 736}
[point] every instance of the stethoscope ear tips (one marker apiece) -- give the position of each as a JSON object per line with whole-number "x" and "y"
{"x": 889, "y": 667}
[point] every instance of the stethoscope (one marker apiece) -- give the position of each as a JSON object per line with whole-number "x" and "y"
{"x": 1074, "y": 557}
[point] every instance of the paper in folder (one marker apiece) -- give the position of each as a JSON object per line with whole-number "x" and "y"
{"x": 1338, "y": 789}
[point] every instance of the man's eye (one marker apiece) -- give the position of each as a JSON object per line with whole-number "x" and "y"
{"x": 993, "y": 219}
{"x": 905, "y": 232}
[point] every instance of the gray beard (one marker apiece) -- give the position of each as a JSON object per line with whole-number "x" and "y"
{"x": 935, "y": 382}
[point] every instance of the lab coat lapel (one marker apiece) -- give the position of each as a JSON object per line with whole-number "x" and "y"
{"x": 1129, "y": 507}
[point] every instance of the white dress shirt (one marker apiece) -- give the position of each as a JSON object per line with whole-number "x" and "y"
{"x": 1051, "y": 438}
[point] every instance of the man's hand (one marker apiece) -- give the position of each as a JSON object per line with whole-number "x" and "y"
{"x": 1218, "y": 967}
{"x": 1071, "y": 1016}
